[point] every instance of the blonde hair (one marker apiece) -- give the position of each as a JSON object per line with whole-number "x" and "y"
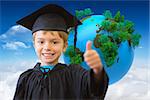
{"x": 62, "y": 34}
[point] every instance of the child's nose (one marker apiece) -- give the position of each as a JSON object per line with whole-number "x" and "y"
{"x": 48, "y": 46}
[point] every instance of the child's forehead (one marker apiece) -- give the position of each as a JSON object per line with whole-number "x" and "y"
{"x": 43, "y": 33}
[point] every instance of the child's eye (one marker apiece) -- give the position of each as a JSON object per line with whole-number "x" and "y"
{"x": 40, "y": 42}
{"x": 55, "y": 42}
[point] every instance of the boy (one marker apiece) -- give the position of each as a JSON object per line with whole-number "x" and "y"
{"x": 49, "y": 79}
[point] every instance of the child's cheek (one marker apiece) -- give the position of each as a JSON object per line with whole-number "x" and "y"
{"x": 37, "y": 50}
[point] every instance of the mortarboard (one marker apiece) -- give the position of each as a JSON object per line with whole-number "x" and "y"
{"x": 50, "y": 17}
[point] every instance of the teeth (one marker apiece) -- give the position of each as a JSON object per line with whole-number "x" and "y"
{"x": 48, "y": 54}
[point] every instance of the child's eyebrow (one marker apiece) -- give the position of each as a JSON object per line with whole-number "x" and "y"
{"x": 40, "y": 38}
{"x": 55, "y": 39}
{"x": 50, "y": 39}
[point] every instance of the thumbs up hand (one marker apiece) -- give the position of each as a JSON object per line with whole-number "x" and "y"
{"x": 92, "y": 58}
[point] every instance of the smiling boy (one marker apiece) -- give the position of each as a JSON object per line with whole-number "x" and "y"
{"x": 49, "y": 45}
{"x": 49, "y": 79}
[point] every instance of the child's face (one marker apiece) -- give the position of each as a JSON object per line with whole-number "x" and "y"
{"x": 48, "y": 46}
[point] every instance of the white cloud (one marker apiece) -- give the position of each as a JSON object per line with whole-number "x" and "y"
{"x": 15, "y": 45}
{"x": 3, "y": 36}
{"x": 9, "y": 78}
{"x": 140, "y": 47}
{"x": 15, "y": 38}
{"x": 16, "y": 33}
{"x": 17, "y": 65}
{"x": 134, "y": 86}
{"x": 15, "y": 29}
{"x": 8, "y": 85}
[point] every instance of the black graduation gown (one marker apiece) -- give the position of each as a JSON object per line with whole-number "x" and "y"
{"x": 62, "y": 82}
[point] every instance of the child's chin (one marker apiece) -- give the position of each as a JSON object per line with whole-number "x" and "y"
{"x": 48, "y": 62}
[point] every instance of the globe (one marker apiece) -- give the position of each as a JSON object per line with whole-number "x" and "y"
{"x": 87, "y": 31}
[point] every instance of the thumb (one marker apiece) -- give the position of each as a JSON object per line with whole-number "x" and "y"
{"x": 88, "y": 45}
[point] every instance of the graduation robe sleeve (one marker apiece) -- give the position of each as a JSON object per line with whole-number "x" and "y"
{"x": 88, "y": 85}
{"x": 63, "y": 82}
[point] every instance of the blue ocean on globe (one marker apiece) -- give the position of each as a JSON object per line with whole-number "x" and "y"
{"x": 87, "y": 31}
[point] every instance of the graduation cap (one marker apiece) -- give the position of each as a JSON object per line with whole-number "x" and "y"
{"x": 50, "y": 17}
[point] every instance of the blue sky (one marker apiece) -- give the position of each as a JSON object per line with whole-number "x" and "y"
{"x": 17, "y": 53}
{"x": 12, "y": 11}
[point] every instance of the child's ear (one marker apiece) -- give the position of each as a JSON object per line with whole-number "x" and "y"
{"x": 65, "y": 46}
{"x": 33, "y": 39}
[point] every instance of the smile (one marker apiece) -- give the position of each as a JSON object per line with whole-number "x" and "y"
{"x": 48, "y": 55}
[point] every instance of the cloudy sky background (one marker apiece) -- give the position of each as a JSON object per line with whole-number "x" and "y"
{"x": 17, "y": 53}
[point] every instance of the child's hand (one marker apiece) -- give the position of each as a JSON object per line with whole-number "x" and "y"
{"x": 92, "y": 58}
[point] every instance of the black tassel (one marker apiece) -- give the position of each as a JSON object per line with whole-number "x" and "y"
{"x": 75, "y": 37}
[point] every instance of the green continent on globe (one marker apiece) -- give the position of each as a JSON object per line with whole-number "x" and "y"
{"x": 111, "y": 33}
{"x": 75, "y": 55}
{"x": 108, "y": 48}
